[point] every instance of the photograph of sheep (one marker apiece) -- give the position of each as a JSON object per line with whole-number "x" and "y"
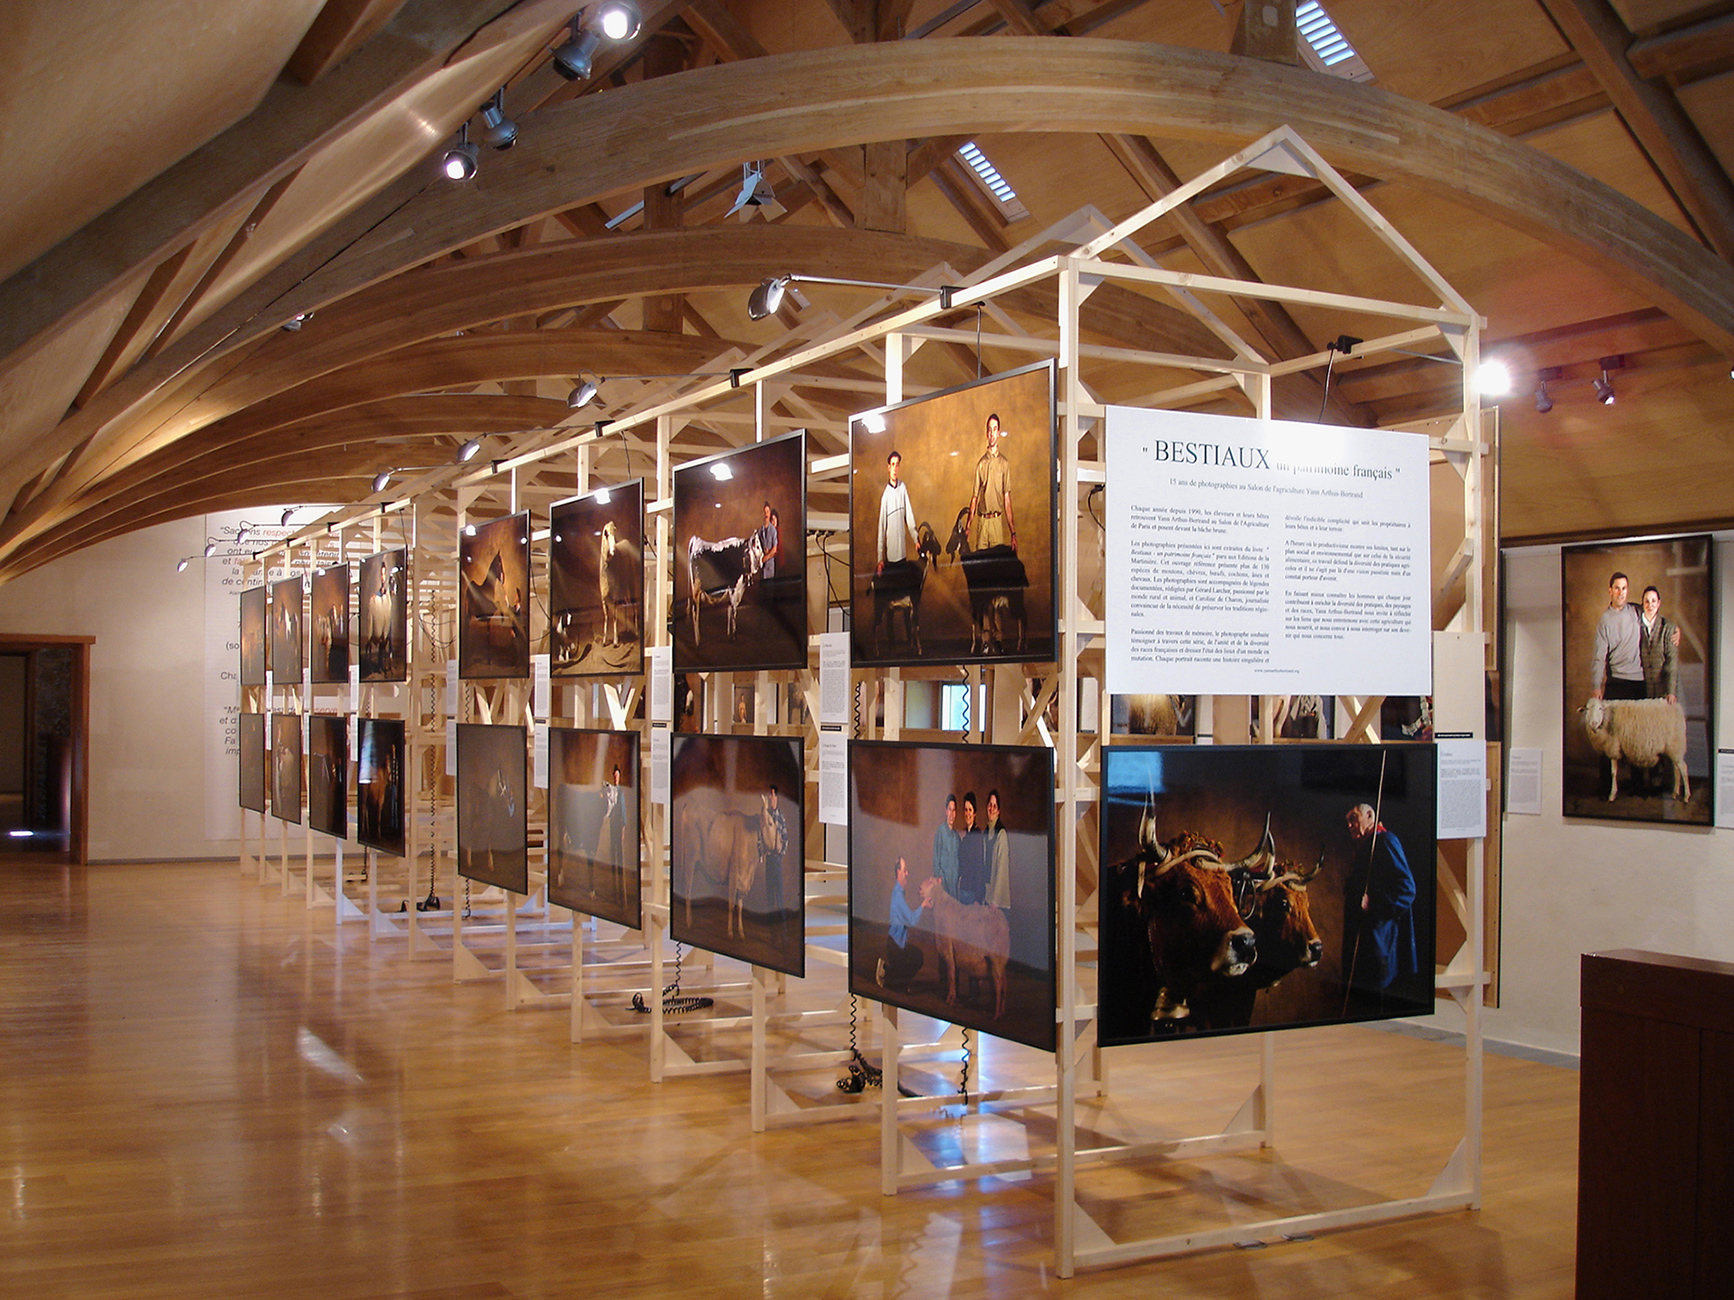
{"x": 286, "y": 642}
{"x": 951, "y": 541}
{"x": 329, "y": 593}
{"x": 494, "y": 598}
{"x": 593, "y": 842}
{"x": 493, "y": 817}
{"x": 328, "y": 774}
{"x": 253, "y": 636}
{"x": 596, "y": 582}
{"x": 739, "y": 560}
{"x": 951, "y": 884}
{"x": 286, "y": 783}
{"x": 1251, "y": 887}
{"x": 382, "y": 616}
{"x": 737, "y": 848}
{"x": 379, "y": 770}
{"x": 250, "y": 735}
{"x": 1639, "y": 628}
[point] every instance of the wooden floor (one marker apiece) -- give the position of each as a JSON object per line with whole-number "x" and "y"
{"x": 204, "y": 1092}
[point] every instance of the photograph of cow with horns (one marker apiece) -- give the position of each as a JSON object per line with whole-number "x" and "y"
{"x": 1264, "y": 887}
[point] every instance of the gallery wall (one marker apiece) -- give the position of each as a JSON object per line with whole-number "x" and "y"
{"x": 1572, "y": 886}
{"x": 147, "y": 748}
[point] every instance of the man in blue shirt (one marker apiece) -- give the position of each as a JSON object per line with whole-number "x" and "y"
{"x": 902, "y": 959}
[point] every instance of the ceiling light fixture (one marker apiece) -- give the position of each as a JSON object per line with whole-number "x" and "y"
{"x": 768, "y": 296}
{"x": 619, "y": 19}
{"x": 589, "y": 388}
{"x": 296, "y": 321}
{"x": 467, "y": 451}
{"x": 1543, "y": 377}
{"x": 463, "y": 159}
{"x": 616, "y": 20}
{"x": 1603, "y": 385}
{"x": 757, "y": 195}
{"x": 384, "y": 476}
{"x": 1493, "y": 378}
{"x": 498, "y": 129}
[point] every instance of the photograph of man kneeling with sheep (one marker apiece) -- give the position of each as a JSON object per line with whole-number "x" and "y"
{"x": 1639, "y": 641}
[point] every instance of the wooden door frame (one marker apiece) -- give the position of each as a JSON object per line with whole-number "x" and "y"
{"x": 78, "y": 832}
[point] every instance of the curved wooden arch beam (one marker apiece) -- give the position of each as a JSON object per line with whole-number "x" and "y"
{"x": 800, "y": 103}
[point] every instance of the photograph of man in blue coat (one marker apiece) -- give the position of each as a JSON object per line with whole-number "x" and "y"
{"x": 1378, "y": 913}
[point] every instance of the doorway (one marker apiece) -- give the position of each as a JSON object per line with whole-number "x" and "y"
{"x": 44, "y": 744}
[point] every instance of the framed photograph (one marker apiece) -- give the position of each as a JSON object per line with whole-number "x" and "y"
{"x": 382, "y": 611}
{"x": 1153, "y": 715}
{"x": 737, "y": 848}
{"x": 379, "y": 783}
{"x": 593, "y": 842}
{"x": 952, "y": 503}
{"x": 253, "y": 637}
{"x": 250, "y": 736}
{"x": 1300, "y": 717}
{"x": 1252, "y": 887}
{"x": 330, "y": 595}
{"x": 494, "y": 598}
{"x": 493, "y": 821}
{"x": 1406, "y": 717}
{"x": 286, "y": 640}
{"x": 286, "y": 767}
{"x": 740, "y": 558}
{"x": 1639, "y": 624}
{"x": 596, "y": 582}
{"x": 328, "y": 774}
{"x": 951, "y": 884}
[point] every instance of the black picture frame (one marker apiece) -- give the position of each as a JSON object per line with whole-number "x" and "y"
{"x": 329, "y": 596}
{"x": 963, "y": 587}
{"x": 750, "y": 610}
{"x": 719, "y": 799}
{"x": 494, "y": 598}
{"x": 379, "y": 785}
{"x": 253, "y": 636}
{"x": 594, "y": 847}
{"x": 966, "y": 959}
{"x": 287, "y": 637}
{"x": 382, "y": 616}
{"x": 328, "y": 774}
{"x": 1634, "y": 717}
{"x": 596, "y": 583}
{"x": 250, "y": 739}
{"x": 493, "y": 816}
{"x": 1207, "y": 928}
{"x": 287, "y": 781}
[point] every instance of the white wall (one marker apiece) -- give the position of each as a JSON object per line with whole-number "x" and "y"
{"x": 147, "y": 750}
{"x": 1576, "y": 886}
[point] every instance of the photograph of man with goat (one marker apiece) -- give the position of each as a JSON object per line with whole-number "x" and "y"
{"x": 1639, "y": 633}
{"x": 951, "y": 525}
{"x": 950, "y": 915}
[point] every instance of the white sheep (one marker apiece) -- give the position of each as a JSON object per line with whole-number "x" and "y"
{"x": 1640, "y": 732}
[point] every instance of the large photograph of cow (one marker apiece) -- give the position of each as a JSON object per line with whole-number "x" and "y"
{"x": 494, "y": 598}
{"x": 382, "y": 616}
{"x": 737, "y": 848}
{"x": 1262, "y": 887}
{"x": 286, "y": 784}
{"x": 493, "y": 820}
{"x": 329, "y": 595}
{"x": 379, "y": 784}
{"x": 593, "y": 842}
{"x": 1639, "y": 626}
{"x": 286, "y": 600}
{"x": 951, "y": 884}
{"x": 250, "y": 735}
{"x": 596, "y": 583}
{"x": 328, "y": 774}
{"x": 740, "y": 558}
{"x": 253, "y": 602}
{"x": 951, "y": 537}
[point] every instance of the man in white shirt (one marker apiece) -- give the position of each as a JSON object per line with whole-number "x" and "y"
{"x": 896, "y": 518}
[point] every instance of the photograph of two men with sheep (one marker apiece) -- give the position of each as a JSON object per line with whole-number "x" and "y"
{"x": 1640, "y": 639}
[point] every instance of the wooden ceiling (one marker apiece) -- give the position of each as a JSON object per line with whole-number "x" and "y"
{"x": 184, "y": 178}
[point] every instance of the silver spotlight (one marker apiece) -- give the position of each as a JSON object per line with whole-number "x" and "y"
{"x": 381, "y": 479}
{"x": 767, "y": 297}
{"x": 618, "y": 19}
{"x": 463, "y": 158}
{"x": 584, "y": 394}
{"x": 467, "y": 452}
{"x": 498, "y": 129}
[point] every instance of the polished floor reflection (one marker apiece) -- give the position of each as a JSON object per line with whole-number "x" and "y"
{"x": 207, "y": 1092}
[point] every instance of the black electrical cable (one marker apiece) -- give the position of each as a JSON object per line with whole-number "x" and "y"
{"x": 963, "y": 1082}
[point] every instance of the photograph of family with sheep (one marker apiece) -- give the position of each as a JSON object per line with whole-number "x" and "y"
{"x": 951, "y": 539}
{"x": 737, "y": 855}
{"x": 1640, "y": 642}
{"x": 739, "y": 558}
{"x": 596, "y": 583}
{"x": 951, "y": 884}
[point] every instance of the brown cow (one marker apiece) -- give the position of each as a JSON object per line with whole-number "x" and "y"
{"x": 1277, "y": 909}
{"x": 973, "y": 936}
{"x": 727, "y": 848}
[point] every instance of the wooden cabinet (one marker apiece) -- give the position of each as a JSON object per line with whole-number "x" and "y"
{"x": 1655, "y": 1127}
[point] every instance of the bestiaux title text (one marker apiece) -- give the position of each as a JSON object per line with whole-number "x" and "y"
{"x": 1171, "y": 452}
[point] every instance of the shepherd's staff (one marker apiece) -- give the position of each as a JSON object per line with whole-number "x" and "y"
{"x": 1373, "y": 847}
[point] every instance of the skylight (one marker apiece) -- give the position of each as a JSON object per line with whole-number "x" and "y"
{"x": 996, "y": 185}
{"x": 1328, "y": 47}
